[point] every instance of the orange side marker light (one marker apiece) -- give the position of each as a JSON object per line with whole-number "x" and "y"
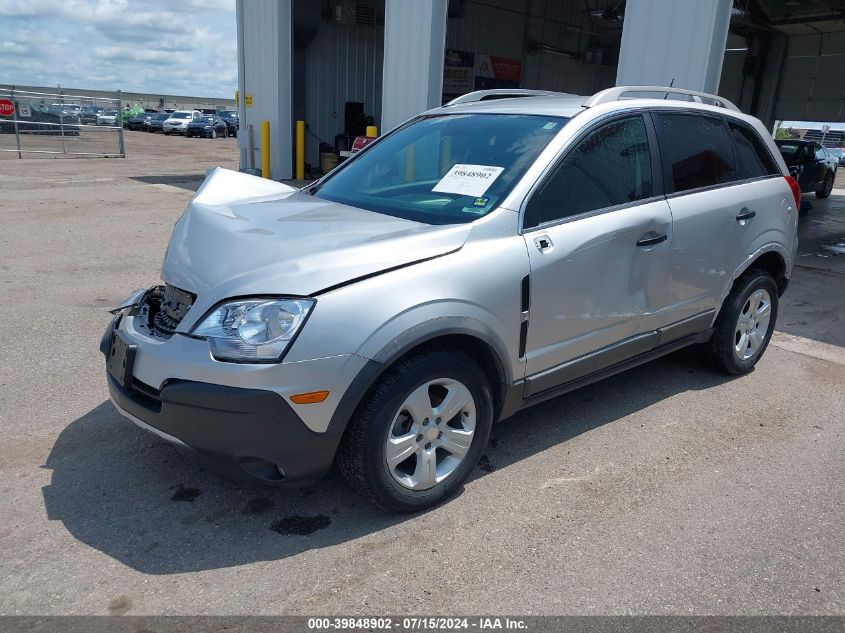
{"x": 312, "y": 397}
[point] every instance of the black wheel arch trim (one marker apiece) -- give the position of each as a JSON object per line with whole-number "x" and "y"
{"x": 417, "y": 336}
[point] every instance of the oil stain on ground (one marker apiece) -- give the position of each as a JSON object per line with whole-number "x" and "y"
{"x": 300, "y": 525}
{"x": 119, "y": 605}
{"x": 185, "y": 494}
{"x": 258, "y": 505}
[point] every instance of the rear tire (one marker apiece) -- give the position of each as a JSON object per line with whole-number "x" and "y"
{"x": 400, "y": 415}
{"x": 824, "y": 191}
{"x": 745, "y": 324}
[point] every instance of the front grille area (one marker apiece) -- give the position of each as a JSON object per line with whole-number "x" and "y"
{"x": 164, "y": 308}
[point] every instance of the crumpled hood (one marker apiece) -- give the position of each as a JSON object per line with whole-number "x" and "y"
{"x": 242, "y": 235}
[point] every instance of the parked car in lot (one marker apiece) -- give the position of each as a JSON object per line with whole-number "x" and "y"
{"x": 386, "y": 316}
{"x": 209, "y": 126}
{"x": 177, "y": 122}
{"x": 88, "y": 114}
{"x": 69, "y": 111}
{"x": 140, "y": 120}
{"x": 155, "y": 124}
{"x": 811, "y": 165}
{"x": 109, "y": 117}
{"x": 838, "y": 153}
{"x": 43, "y": 121}
{"x": 232, "y": 119}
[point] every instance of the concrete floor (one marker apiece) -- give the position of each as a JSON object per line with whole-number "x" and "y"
{"x": 666, "y": 490}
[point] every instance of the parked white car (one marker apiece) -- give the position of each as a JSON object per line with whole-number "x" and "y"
{"x": 109, "y": 117}
{"x": 178, "y": 121}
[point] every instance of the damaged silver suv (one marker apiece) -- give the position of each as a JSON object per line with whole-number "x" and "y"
{"x": 485, "y": 256}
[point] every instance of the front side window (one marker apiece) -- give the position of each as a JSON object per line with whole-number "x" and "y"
{"x": 821, "y": 154}
{"x": 446, "y": 169}
{"x": 752, "y": 158}
{"x": 611, "y": 166}
{"x": 697, "y": 149}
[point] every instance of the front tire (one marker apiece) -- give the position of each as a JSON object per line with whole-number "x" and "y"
{"x": 745, "y": 324}
{"x": 419, "y": 432}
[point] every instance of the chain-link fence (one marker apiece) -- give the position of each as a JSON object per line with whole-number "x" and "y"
{"x": 55, "y": 124}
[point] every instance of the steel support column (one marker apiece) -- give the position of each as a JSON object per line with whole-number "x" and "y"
{"x": 265, "y": 57}
{"x": 414, "y": 42}
{"x": 680, "y": 40}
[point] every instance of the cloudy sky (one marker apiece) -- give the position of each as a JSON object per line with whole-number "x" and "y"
{"x": 182, "y": 47}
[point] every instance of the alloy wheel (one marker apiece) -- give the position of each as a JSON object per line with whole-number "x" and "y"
{"x": 752, "y": 325}
{"x": 431, "y": 433}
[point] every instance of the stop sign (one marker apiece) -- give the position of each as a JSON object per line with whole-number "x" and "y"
{"x": 7, "y": 108}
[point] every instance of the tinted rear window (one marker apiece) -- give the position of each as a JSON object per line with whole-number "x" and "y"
{"x": 752, "y": 157}
{"x": 697, "y": 149}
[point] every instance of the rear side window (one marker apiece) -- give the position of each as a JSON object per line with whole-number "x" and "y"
{"x": 611, "y": 166}
{"x": 752, "y": 158}
{"x": 697, "y": 149}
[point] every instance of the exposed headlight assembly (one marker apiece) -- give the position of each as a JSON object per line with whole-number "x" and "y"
{"x": 253, "y": 330}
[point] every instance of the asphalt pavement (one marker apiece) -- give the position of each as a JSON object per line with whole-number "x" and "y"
{"x": 669, "y": 489}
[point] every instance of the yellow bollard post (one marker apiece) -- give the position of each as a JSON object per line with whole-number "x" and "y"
{"x": 265, "y": 149}
{"x": 372, "y": 131}
{"x": 300, "y": 150}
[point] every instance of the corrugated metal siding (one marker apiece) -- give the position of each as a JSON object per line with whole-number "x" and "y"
{"x": 344, "y": 63}
{"x": 502, "y": 27}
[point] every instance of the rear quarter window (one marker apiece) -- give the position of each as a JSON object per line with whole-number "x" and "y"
{"x": 752, "y": 158}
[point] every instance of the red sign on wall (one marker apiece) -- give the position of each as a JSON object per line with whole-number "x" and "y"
{"x": 361, "y": 142}
{"x": 7, "y": 108}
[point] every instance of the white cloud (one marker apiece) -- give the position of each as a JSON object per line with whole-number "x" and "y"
{"x": 184, "y": 47}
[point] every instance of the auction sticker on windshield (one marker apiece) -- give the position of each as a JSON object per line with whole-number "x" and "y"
{"x": 468, "y": 180}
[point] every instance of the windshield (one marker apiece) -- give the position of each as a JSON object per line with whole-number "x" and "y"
{"x": 202, "y": 119}
{"x": 180, "y": 115}
{"x": 443, "y": 169}
{"x": 109, "y": 112}
{"x": 836, "y": 151}
{"x": 228, "y": 114}
{"x": 162, "y": 117}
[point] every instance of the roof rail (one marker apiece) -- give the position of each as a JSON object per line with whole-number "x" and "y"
{"x": 504, "y": 93}
{"x": 616, "y": 94}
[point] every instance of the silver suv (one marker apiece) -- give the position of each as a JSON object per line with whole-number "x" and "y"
{"x": 485, "y": 256}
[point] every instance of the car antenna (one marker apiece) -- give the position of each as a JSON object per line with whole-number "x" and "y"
{"x": 671, "y": 85}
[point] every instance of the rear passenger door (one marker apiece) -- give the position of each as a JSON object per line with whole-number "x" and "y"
{"x": 713, "y": 210}
{"x": 598, "y": 232}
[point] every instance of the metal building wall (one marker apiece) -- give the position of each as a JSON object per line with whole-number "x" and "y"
{"x": 343, "y": 63}
{"x": 504, "y": 28}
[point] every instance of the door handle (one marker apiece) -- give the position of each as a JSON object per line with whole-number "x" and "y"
{"x": 651, "y": 241}
{"x": 745, "y": 214}
{"x": 543, "y": 243}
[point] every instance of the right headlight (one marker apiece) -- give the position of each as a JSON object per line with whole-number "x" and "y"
{"x": 253, "y": 330}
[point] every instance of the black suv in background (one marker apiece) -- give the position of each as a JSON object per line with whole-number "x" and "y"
{"x": 810, "y": 164}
